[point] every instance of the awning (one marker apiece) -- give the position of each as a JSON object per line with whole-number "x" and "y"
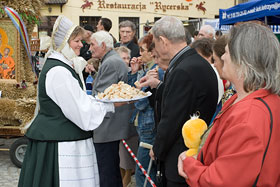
{"x": 275, "y": 29}
{"x": 263, "y": 10}
{"x": 216, "y": 25}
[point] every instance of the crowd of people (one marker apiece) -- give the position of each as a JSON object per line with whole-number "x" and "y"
{"x": 231, "y": 80}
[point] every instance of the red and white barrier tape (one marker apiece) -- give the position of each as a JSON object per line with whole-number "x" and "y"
{"x": 138, "y": 163}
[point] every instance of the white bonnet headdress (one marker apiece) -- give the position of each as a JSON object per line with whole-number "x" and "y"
{"x": 62, "y": 31}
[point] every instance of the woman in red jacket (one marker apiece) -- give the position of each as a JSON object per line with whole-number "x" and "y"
{"x": 242, "y": 148}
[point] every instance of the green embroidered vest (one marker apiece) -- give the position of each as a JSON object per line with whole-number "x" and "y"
{"x": 50, "y": 124}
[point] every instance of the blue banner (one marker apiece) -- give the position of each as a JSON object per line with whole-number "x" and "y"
{"x": 253, "y": 10}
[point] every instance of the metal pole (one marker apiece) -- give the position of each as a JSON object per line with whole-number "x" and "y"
{"x": 138, "y": 163}
{"x": 147, "y": 146}
{"x": 148, "y": 171}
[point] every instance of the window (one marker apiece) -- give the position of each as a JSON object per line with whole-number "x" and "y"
{"x": 135, "y": 20}
{"x": 156, "y": 19}
{"x": 193, "y": 24}
{"x": 242, "y": 1}
{"x": 46, "y": 25}
{"x": 89, "y": 20}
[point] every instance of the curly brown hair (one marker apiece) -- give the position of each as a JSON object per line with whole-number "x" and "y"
{"x": 148, "y": 40}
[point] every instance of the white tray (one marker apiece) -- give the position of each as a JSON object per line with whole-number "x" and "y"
{"x": 123, "y": 100}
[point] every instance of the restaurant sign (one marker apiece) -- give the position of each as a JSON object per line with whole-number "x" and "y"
{"x": 157, "y": 6}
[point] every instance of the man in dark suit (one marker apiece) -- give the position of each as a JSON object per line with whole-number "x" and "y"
{"x": 105, "y": 24}
{"x": 127, "y": 34}
{"x": 189, "y": 87}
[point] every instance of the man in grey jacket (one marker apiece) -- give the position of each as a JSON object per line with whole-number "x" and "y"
{"x": 115, "y": 126}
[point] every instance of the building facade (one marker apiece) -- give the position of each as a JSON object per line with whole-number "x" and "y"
{"x": 142, "y": 12}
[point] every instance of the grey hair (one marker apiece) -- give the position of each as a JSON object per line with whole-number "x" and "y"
{"x": 208, "y": 29}
{"x": 103, "y": 36}
{"x": 254, "y": 49}
{"x": 171, "y": 28}
{"x": 128, "y": 23}
{"x": 123, "y": 49}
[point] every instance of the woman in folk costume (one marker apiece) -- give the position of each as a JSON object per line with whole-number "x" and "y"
{"x": 60, "y": 151}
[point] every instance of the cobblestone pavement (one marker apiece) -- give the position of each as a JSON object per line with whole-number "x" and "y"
{"x": 9, "y": 173}
{"x": 133, "y": 182}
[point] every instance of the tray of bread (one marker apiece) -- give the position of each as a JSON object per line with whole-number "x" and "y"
{"x": 121, "y": 92}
